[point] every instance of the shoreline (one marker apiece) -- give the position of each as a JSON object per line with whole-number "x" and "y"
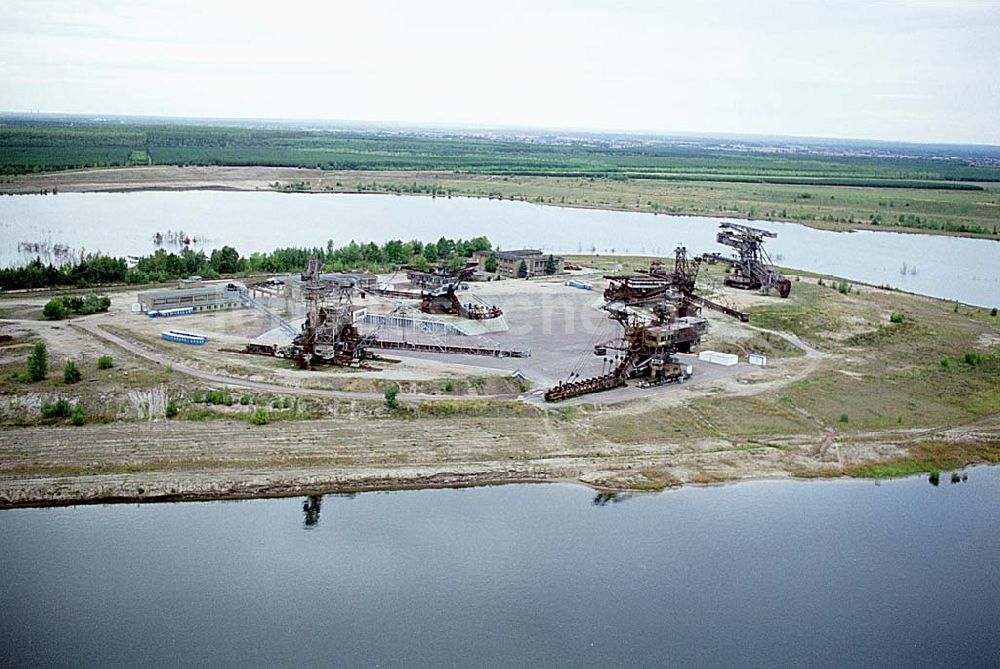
{"x": 440, "y": 481}
{"x": 260, "y": 179}
{"x": 182, "y": 461}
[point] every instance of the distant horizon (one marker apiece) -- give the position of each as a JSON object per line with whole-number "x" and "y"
{"x": 907, "y": 71}
{"x": 456, "y": 126}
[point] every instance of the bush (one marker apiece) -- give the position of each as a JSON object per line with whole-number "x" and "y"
{"x": 897, "y": 317}
{"x": 54, "y": 310}
{"x": 390, "y": 398}
{"x": 171, "y": 409}
{"x": 934, "y": 477}
{"x": 260, "y": 416}
{"x": 214, "y": 397}
{"x": 449, "y": 387}
{"x": 61, "y": 307}
{"x": 993, "y": 311}
{"x": 79, "y": 417}
{"x": 71, "y": 374}
{"x": 972, "y": 358}
{"x": 105, "y": 362}
{"x": 844, "y": 418}
{"x": 38, "y": 363}
{"x": 244, "y": 400}
{"x": 945, "y": 361}
{"x": 61, "y": 409}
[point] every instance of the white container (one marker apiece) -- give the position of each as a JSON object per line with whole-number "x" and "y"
{"x": 716, "y": 358}
{"x": 757, "y": 359}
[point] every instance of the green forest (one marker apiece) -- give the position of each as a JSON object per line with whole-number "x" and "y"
{"x": 27, "y": 147}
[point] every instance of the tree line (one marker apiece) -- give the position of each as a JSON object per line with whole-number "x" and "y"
{"x": 34, "y": 146}
{"x": 162, "y": 265}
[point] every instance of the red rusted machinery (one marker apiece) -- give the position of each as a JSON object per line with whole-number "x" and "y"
{"x": 662, "y": 283}
{"x": 645, "y": 351}
{"x": 752, "y": 265}
{"x": 445, "y": 301}
{"x": 329, "y": 335}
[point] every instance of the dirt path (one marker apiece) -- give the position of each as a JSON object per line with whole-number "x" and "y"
{"x": 794, "y": 340}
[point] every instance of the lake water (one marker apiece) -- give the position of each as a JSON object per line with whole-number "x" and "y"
{"x": 768, "y": 573}
{"x": 124, "y": 223}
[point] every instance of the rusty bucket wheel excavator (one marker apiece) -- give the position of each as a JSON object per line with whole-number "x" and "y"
{"x": 751, "y": 266}
{"x": 329, "y": 334}
{"x": 645, "y": 351}
{"x": 661, "y": 282}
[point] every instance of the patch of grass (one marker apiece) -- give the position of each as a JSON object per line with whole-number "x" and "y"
{"x": 471, "y": 407}
{"x": 884, "y": 334}
{"x": 807, "y": 312}
{"x": 105, "y": 362}
{"x": 260, "y": 416}
{"x": 931, "y": 457}
{"x": 648, "y": 479}
{"x": 657, "y": 426}
{"x": 219, "y": 397}
{"x": 972, "y": 358}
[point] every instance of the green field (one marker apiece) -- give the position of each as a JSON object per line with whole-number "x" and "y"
{"x": 26, "y": 147}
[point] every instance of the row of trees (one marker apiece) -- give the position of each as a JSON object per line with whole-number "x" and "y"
{"x": 370, "y": 256}
{"x": 164, "y": 266}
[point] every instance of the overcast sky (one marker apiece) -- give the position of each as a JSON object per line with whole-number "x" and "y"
{"x": 904, "y": 70}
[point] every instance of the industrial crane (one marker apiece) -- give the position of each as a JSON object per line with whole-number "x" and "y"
{"x": 752, "y": 265}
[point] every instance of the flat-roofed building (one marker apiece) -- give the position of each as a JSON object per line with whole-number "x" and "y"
{"x": 509, "y": 262}
{"x": 205, "y": 298}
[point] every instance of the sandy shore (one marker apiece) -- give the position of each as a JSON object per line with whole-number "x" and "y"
{"x": 180, "y": 460}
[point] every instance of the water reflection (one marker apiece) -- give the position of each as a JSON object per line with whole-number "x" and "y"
{"x": 605, "y": 498}
{"x": 310, "y": 509}
{"x": 507, "y": 575}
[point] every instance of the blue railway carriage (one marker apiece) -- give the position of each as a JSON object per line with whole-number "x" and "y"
{"x": 181, "y": 337}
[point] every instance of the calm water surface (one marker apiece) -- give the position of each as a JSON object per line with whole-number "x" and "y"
{"x": 837, "y": 573}
{"x": 124, "y": 223}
